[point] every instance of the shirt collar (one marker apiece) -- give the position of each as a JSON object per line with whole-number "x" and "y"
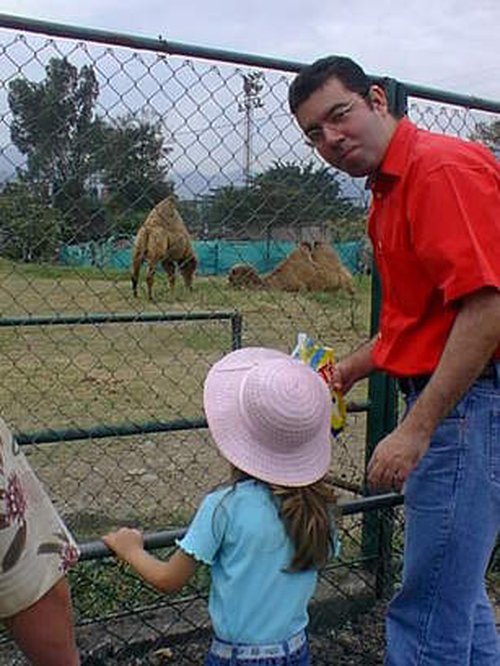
{"x": 397, "y": 154}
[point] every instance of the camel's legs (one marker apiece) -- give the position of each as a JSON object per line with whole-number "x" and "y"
{"x": 169, "y": 267}
{"x": 187, "y": 269}
{"x": 150, "y": 278}
{"x": 134, "y": 276}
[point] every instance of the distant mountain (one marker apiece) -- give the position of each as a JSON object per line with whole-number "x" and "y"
{"x": 195, "y": 184}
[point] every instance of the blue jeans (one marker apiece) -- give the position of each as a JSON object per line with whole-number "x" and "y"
{"x": 442, "y": 615}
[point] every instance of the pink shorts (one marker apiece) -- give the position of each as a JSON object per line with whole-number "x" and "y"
{"x": 36, "y": 548}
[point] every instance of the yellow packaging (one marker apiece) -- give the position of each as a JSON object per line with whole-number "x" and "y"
{"x": 322, "y": 360}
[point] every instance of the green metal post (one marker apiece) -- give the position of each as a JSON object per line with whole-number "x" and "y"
{"x": 382, "y": 416}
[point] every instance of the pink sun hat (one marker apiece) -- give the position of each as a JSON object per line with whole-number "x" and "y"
{"x": 269, "y": 415}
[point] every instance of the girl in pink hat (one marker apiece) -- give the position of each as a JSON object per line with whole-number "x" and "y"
{"x": 267, "y": 532}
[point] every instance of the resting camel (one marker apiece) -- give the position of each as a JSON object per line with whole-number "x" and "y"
{"x": 308, "y": 267}
{"x": 163, "y": 237}
{"x": 331, "y": 273}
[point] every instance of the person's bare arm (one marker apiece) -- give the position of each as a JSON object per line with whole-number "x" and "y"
{"x": 169, "y": 576}
{"x": 472, "y": 341}
{"x": 352, "y": 368}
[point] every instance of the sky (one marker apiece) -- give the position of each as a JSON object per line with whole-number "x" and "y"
{"x": 448, "y": 44}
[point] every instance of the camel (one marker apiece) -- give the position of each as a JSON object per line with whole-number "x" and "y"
{"x": 308, "y": 267}
{"x": 163, "y": 237}
{"x": 244, "y": 275}
{"x": 292, "y": 274}
{"x": 331, "y": 274}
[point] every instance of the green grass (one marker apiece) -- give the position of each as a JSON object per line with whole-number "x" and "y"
{"x": 55, "y": 271}
{"x": 67, "y": 376}
{"x": 71, "y": 374}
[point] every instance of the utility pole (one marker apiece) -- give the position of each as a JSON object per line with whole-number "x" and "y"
{"x": 252, "y": 86}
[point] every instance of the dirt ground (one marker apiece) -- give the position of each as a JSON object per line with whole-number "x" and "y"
{"x": 359, "y": 642}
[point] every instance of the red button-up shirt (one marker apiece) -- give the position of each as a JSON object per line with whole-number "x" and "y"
{"x": 435, "y": 227}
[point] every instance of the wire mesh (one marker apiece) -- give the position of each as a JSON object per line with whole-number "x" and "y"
{"x": 92, "y": 136}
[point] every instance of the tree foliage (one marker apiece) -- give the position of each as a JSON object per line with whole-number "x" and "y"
{"x": 138, "y": 177}
{"x": 73, "y": 156}
{"x": 30, "y": 231}
{"x": 100, "y": 175}
{"x": 489, "y": 134}
{"x": 52, "y": 125}
{"x": 285, "y": 197}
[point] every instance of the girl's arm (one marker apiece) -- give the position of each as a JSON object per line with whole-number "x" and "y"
{"x": 169, "y": 576}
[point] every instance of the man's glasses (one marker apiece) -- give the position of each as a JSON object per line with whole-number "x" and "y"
{"x": 334, "y": 121}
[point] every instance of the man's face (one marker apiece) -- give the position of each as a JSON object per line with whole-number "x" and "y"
{"x": 349, "y": 131}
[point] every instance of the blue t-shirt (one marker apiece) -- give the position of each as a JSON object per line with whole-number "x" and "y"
{"x": 253, "y": 599}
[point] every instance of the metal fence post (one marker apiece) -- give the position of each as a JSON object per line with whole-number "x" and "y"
{"x": 236, "y": 330}
{"x": 382, "y": 416}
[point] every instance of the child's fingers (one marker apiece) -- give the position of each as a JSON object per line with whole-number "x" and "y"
{"x": 123, "y": 539}
{"x": 108, "y": 540}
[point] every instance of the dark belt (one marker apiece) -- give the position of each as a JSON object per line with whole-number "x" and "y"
{"x": 417, "y": 383}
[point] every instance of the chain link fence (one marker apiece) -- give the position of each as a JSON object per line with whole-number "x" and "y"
{"x": 104, "y": 389}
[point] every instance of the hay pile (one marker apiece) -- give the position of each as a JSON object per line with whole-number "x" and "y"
{"x": 308, "y": 268}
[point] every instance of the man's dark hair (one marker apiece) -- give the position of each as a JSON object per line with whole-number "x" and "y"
{"x": 312, "y": 77}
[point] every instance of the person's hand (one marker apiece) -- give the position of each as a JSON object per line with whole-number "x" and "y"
{"x": 124, "y": 541}
{"x": 394, "y": 458}
{"x": 341, "y": 377}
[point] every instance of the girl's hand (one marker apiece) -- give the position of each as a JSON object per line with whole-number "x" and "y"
{"x": 124, "y": 541}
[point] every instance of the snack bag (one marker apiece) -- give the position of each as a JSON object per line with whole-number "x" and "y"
{"x": 322, "y": 360}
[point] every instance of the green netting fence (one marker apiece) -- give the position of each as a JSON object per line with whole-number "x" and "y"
{"x": 215, "y": 257}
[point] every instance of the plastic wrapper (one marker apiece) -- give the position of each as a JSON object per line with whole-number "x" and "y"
{"x": 322, "y": 359}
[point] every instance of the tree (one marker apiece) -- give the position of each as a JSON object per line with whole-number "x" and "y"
{"x": 31, "y": 231}
{"x": 132, "y": 163}
{"x": 294, "y": 196}
{"x": 228, "y": 212}
{"x": 286, "y": 197}
{"x": 53, "y": 126}
{"x": 72, "y": 154}
{"x": 489, "y": 134}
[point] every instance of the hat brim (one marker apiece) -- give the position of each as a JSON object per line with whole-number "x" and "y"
{"x": 299, "y": 467}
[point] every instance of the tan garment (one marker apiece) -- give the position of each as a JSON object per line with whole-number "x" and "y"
{"x": 36, "y": 548}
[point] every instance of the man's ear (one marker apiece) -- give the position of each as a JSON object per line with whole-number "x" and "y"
{"x": 378, "y": 98}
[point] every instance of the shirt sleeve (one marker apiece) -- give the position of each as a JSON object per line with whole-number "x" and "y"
{"x": 206, "y": 531}
{"x": 456, "y": 228}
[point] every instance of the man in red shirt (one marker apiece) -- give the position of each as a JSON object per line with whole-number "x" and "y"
{"x": 434, "y": 224}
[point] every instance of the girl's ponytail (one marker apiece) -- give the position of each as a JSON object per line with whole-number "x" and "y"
{"x": 307, "y": 519}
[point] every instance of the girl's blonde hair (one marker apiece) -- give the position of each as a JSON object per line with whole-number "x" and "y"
{"x": 306, "y": 514}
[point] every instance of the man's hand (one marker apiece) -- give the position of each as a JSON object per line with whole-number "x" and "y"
{"x": 341, "y": 377}
{"x": 471, "y": 343}
{"x": 395, "y": 457}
